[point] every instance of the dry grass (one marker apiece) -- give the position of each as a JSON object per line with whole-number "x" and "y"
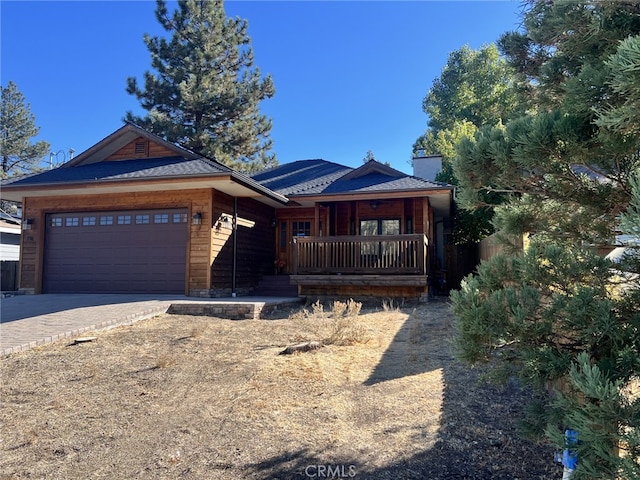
{"x": 208, "y": 398}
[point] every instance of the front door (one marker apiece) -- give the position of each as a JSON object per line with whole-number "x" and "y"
{"x": 287, "y": 229}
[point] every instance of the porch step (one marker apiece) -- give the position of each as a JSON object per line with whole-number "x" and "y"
{"x": 275, "y": 286}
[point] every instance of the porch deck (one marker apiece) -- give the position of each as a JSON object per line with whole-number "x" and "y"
{"x": 361, "y": 280}
{"x": 377, "y": 265}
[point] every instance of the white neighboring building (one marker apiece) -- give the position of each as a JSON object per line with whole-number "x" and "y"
{"x": 9, "y": 238}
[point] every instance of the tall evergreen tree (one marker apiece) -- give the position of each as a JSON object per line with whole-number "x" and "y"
{"x": 557, "y": 152}
{"x": 204, "y": 93}
{"x": 17, "y": 128}
{"x": 475, "y": 88}
{"x": 557, "y": 315}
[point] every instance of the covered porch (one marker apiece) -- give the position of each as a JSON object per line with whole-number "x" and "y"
{"x": 393, "y": 265}
{"x": 370, "y": 231}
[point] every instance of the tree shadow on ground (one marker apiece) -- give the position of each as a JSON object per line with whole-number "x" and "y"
{"x": 477, "y": 438}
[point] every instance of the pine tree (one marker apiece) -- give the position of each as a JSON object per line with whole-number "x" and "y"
{"x": 557, "y": 153}
{"x": 17, "y": 129}
{"x": 368, "y": 157}
{"x": 568, "y": 324}
{"x": 560, "y": 317}
{"x": 623, "y": 117}
{"x": 204, "y": 93}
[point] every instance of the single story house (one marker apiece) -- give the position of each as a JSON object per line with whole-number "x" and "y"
{"x": 135, "y": 213}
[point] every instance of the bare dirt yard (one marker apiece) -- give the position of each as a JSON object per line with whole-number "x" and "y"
{"x": 185, "y": 397}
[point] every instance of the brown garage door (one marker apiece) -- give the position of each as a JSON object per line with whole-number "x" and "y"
{"x": 120, "y": 251}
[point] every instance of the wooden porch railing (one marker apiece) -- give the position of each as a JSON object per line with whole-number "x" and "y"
{"x": 371, "y": 254}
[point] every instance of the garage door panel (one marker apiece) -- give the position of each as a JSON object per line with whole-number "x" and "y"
{"x": 141, "y": 251}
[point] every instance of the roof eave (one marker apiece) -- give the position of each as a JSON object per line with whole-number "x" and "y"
{"x": 372, "y": 194}
{"x": 258, "y": 188}
{"x": 18, "y": 192}
{"x": 441, "y": 198}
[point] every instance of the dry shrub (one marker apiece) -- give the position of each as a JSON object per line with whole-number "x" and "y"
{"x": 338, "y": 308}
{"x": 340, "y": 326}
{"x": 346, "y": 327}
{"x": 307, "y": 326}
{"x": 299, "y": 315}
{"x": 388, "y": 305}
{"x": 346, "y": 331}
{"x": 317, "y": 312}
{"x": 353, "y": 308}
{"x": 318, "y": 309}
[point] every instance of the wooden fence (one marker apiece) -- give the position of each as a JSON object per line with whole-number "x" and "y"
{"x": 9, "y": 276}
{"x": 492, "y": 245}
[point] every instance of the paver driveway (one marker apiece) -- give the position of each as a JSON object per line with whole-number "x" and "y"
{"x": 30, "y": 320}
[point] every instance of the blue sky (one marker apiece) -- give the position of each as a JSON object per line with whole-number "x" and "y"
{"x": 349, "y": 76}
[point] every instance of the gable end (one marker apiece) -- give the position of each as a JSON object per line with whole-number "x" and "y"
{"x": 141, "y": 148}
{"x": 373, "y": 166}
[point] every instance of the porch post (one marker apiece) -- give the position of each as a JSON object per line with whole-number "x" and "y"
{"x": 316, "y": 220}
{"x": 235, "y": 247}
{"x": 294, "y": 246}
{"x": 425, "y": 247}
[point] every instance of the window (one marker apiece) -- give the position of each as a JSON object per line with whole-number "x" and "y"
{"x": 88, "y": 221}
{"x": 106, "y": 220}
{"x": 179, "y": 218}
{"x": 389, "y": 227}
{"x": 161, "y": 218}
{"x": 142, "y": 219}
{"x": 368, "y": 227}
{"x": 301, "y": 229}
{"x": 72, "y": 221}
{"x": 9, "y": 239}
{"x": 124, "y": 219}
{"x": 379, "y": 226}
{"x": 56, "y": 222}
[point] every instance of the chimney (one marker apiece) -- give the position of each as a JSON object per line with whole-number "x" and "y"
{"x": 426, "y": 166}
